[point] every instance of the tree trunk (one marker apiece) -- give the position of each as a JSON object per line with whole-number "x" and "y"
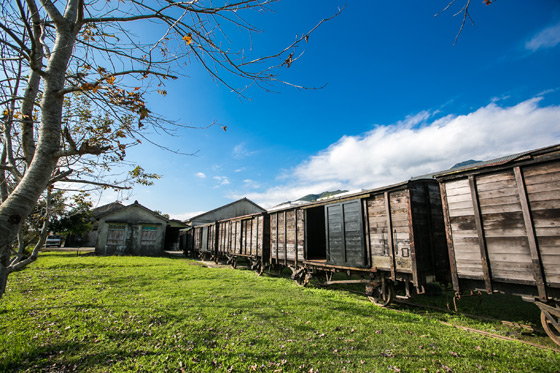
{"x": 15, "y": 209}
{"x": 4, "y": 260}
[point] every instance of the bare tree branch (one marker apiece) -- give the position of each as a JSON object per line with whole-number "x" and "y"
{"x": 464, "y": 11}
{"x": 90, "y": 182}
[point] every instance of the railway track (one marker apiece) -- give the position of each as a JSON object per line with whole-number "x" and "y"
{"x": 529, "y": 328}
{"x": 498, "y": 336}
{"x": 482, "y": 332}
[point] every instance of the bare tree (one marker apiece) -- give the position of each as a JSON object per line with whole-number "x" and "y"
{"x": 463, "y": 12}
{"x": 75, "y": 77}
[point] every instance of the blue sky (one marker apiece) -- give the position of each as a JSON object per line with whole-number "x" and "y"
{"x": 400, "y": 100}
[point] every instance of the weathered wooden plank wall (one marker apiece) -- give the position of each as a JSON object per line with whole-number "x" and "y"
{"x": 504, "y": 223}
{"x": 390, "y": 231}
{"x": 504, "y": 228}
{"x": 543, "y": 191}
{"x": 287, "y": 236}
{"x": 464, "y": 235}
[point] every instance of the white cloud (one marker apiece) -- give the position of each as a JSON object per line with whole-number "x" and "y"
{"x": 223, "y": 180}
{"x": 419, "y": 145}
{"x": 200, "y": 175}
{"x": 547, "y": 38}
{"x": 291, "y": 192}
{"x": 240, "y": 151}
{"x": 249, "y": 183}
{"x": 185, "y": 215}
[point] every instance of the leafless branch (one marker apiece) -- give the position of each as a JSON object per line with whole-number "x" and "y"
{"x": 464, "y": 11}
{"x": 90, "y": 182}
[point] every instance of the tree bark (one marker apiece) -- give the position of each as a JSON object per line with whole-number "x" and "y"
{"x": 15, "y": 209}
{"x": 3, "y": 276}
{"x": 3, "y": 181}
{"x": 32, "y": 89}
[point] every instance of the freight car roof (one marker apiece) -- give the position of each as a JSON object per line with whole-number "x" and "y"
{"x": 346, "y": 196}
{"x": 498, "y": 162}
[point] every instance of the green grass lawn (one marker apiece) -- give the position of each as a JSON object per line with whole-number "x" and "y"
{"x": 87, "y": 313}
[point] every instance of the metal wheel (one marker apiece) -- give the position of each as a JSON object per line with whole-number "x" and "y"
{"x": 233, "y": 263}
{"x": 259, "y": 269}
{"x": 324, "y": 276}
{"x": 302, "y": 279}
{"x": 383, "y": 295}
{"x": 551, "y": 325}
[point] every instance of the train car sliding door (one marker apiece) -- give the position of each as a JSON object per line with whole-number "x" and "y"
{"x": 345, "y": 238}
{"x": 205, "y": 239}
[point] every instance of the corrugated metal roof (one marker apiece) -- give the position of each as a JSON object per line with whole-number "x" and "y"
{"x": 224, "y": 206}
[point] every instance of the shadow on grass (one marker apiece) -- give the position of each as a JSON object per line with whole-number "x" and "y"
{"x": 71, "y": 356}
{"x": 197, "y": 354}
{"x": 66, "y": 254}
{"x": 72, "y": 253}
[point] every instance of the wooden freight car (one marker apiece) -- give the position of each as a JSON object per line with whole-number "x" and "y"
{"x": 203, "y": 240}
{"x": 382, "y": 236}
{"x": 245, "y": 238}
{"x": 186, "y": 241}
{"x": 503, "y": 229}
{"x": 286, "y": 238}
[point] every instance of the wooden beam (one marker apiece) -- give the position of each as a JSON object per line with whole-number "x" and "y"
{"x": 365, "y": 212}
{"x": 296, "y": 233}
{"x": 277, "y": 237}
{"x": 390, "y": 237}
{"x": 258, "y": 239}
{"x": 343, "y": 229}
{"x": 411, "y": 234}
{"x": 481, "y": 236}
{"x": 538, "y": 272}
{"x": 285, "y": 238}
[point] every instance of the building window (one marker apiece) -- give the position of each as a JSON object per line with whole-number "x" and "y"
{"x": 148, "y": 236}
{"x": 115, "y": 236}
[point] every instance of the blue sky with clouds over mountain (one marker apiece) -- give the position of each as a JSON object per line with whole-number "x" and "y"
{"x": 401, "y": 98}
{"x": 419, "y": 145}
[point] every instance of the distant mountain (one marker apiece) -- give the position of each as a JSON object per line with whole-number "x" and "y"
{"x": 315, "y": 197}
{"x": 465, "y": 163}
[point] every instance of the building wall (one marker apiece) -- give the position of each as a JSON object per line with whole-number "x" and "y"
{"x": 131, "y": 231}
{"x": 239, "y": 208}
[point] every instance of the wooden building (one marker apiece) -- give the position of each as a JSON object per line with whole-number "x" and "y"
{"x": 234, "y": 209}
